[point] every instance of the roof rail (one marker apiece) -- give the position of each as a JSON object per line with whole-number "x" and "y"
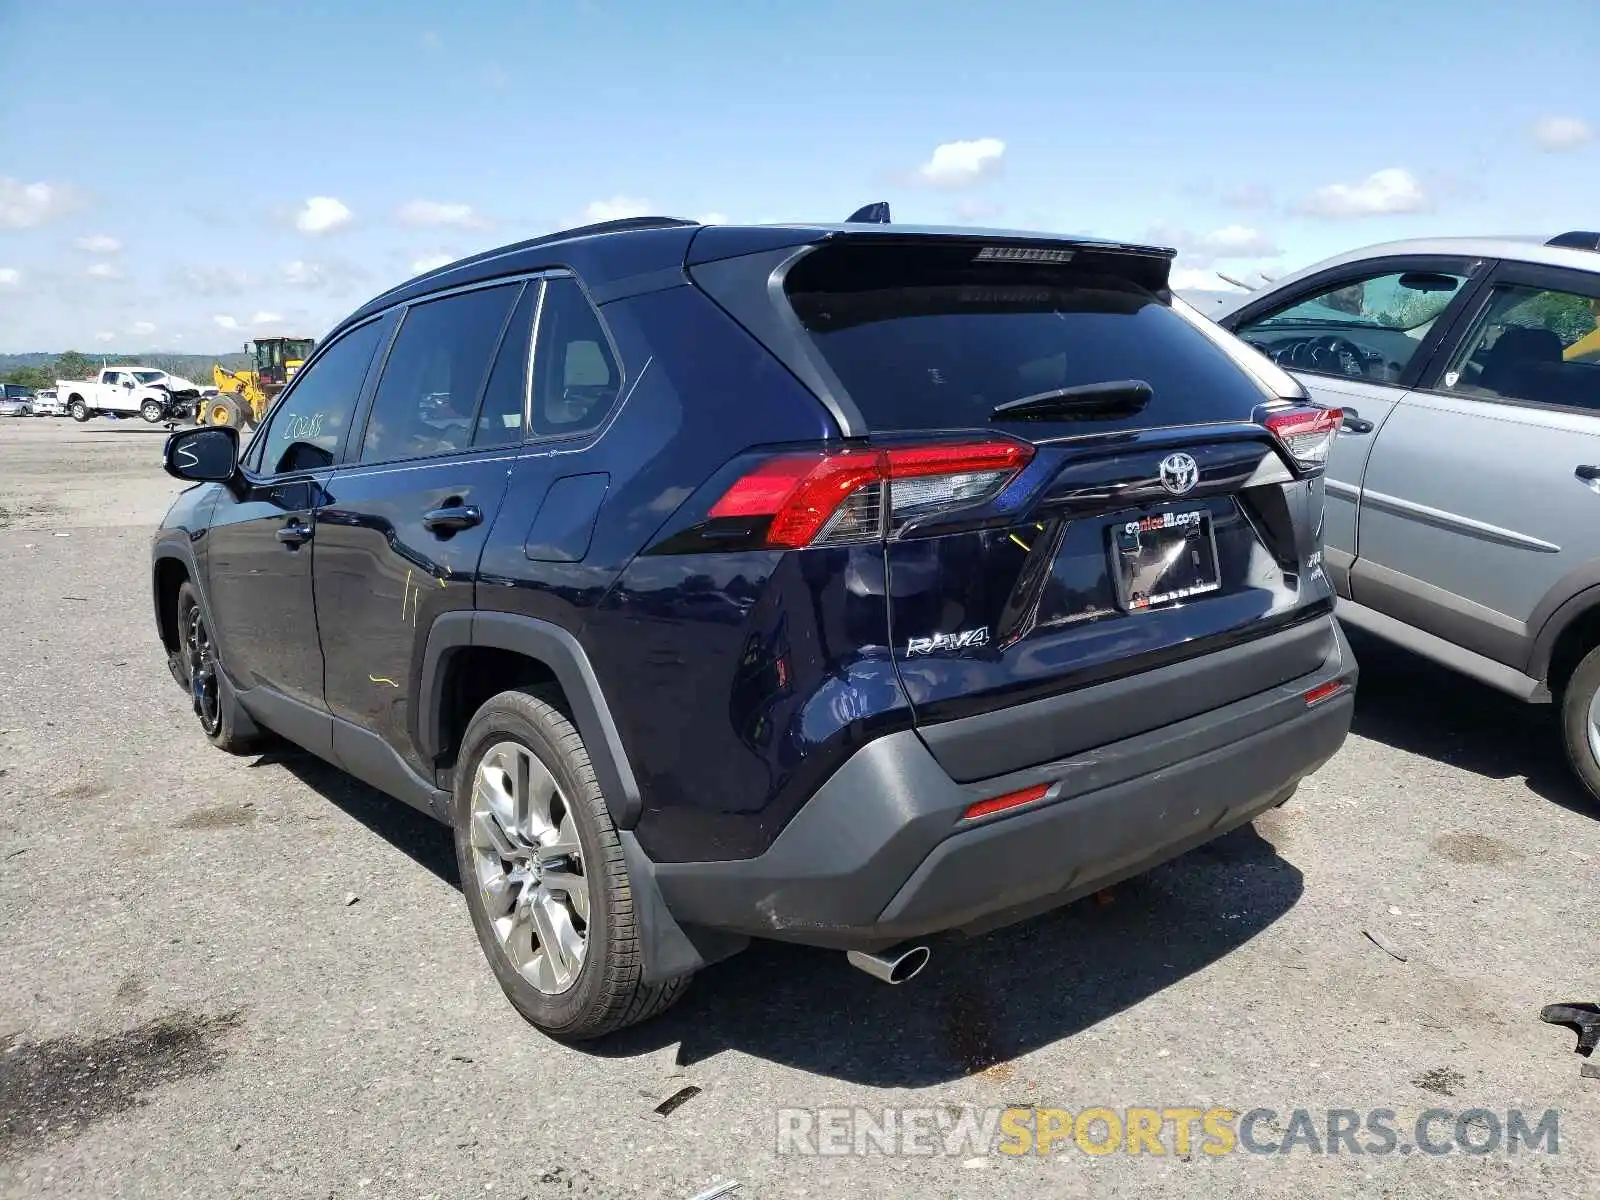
{"x": 618, "y": 226}
{"x": 1577, "y": 239}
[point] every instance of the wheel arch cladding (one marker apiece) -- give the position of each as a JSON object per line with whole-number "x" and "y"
{"x": 169, "y": 574}
{"x": 454, "y": 639}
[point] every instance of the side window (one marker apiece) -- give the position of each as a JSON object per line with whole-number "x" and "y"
{"x": 500, "y": 415}
{"x": 1531, "y": 344}
{"x": 1369, "y": 327}
{"x": 576, "y": 380}
{"x": 308, "y": 426}
{"x": 429, "y": 391}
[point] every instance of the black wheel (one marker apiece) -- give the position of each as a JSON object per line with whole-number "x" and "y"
{"x": 153, "y": 411}
{"x": 544, "y": 875}
{"x": 79, "y": 411}
{"x": 225, "y": 724}
{"x": 1580, "y": 722}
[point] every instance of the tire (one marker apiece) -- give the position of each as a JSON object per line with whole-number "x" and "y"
{"x": 603, "y": 991}
{"x": 226, "y": 725}
{"x": 224, "y": 410}
{"x": 80, "y": 411}
{"x": 1580, "y": 722}
{"x": 153, "y": 411}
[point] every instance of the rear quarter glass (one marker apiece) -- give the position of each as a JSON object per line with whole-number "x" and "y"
{"x": 929, "y": 337}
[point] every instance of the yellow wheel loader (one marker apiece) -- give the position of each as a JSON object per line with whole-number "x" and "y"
{"x": 243, "y": 397}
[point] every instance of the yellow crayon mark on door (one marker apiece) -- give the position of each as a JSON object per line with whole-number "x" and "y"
{"x": 383, "y": 679}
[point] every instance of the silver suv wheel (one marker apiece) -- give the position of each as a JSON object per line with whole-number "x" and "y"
{"x": 528, "y": 867}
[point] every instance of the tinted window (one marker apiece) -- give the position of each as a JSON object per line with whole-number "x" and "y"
{"x": 500, "y": 416}
{"x": 929, "y": 338}
{"x": 309, "y": 425}
{"x": 1368, "y": 328}
{"x": 575, "y": 378}
{"x": 1532, "y": 344}
{"x": 431, "y": 381}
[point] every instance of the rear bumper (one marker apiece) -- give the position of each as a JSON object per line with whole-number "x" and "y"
{"x": 881, "y": 853}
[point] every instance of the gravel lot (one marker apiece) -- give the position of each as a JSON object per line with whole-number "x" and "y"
{"x": 189, "y": 1005}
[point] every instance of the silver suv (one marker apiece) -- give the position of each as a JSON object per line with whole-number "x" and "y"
{"x": 1463, "y": 491}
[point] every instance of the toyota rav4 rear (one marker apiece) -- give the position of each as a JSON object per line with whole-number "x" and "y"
{"x": 1047, "y": 611}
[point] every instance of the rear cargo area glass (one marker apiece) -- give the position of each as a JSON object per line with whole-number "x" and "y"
{"x": 931, "y": 336}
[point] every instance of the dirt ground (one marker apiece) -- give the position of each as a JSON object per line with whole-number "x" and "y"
{"x": 191, "y": 1003}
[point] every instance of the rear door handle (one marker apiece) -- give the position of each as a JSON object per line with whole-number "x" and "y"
{"x": 1353, "y": 422}
{"x": 294, "y": 534}
{"x": 1589, "y": 474}
{"x": 452, "y": 518}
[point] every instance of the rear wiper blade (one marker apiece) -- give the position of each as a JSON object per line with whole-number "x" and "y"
{"x": 1113, "y": 396}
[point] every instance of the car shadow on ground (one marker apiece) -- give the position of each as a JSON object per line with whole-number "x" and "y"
{"x": 982, "y": 1002}
{"x": 1413, "y": 704}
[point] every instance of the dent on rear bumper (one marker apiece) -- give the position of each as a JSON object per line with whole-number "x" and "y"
{"x": 881, "y": 853}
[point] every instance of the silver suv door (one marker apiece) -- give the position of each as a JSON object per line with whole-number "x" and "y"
{"x": 1356, "y": 336}
{"x": 1483, "y": 493}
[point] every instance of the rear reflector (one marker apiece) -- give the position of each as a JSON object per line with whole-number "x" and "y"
{"x": 828, "y": 499}
{"x": 1324, "y": 691}
{"x": 1306, "y": 433}
{"x": 987, "y": 808}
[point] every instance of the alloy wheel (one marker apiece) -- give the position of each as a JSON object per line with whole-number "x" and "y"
{"x": 528, "y": 864}
{"x": 200, "y": 661}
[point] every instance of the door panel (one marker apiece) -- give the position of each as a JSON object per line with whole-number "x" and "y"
{"x": 1367, "y": 410}
{"x": 385, "y": 571}
{"x": 263, "y": 534}
{"x": 260, "y": 585}
{"x": 1481, "y": 502}
{"x": 404, "y": 526}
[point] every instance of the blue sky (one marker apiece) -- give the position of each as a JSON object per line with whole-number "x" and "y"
{"x": 173, "y": 178}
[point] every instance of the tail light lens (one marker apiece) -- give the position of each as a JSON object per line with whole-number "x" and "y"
{"x": 1306, "y": 433}
{"x": 828, "y": 499}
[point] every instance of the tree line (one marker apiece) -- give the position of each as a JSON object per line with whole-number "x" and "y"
{"x": 76, "y": 365}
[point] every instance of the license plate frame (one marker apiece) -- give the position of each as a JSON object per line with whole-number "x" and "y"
{"x": 1149, "y": 570}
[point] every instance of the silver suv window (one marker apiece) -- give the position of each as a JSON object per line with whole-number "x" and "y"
{"x": 1533, "y": 345}
{"x": 1369, "y": 327}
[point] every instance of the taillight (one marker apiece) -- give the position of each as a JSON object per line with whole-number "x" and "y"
{"x": 1306, "y": 433}
{"x": 828, "y": 499}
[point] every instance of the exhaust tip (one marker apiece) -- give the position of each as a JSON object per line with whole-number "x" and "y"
{"x": 893, "y": 967}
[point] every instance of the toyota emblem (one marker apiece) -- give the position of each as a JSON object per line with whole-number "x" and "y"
{"x": 1179, "y": 473}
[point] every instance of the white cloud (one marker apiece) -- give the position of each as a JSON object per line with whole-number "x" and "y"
{"x": 430, "y": 262}
{"x": 300, "y": 273}
{"x": 103, "y": 270}
{"x": 223, "y": 321}
{"x": 322, "y": 214}
{"x": 616, "y": 209}
{"x": 105, "y": 335}
{"x": 433, "y": 212}
{"x": 1555, "y": 134}
{"x": 10, "y": 277}
{"x": 99, "y": 243}
{"x": 1391, "y": 190}
{"x": 267, "y": 318}
{"x": 714, "y": 218}
{"x": 141, "y": 328}
{"x": 960, "y": 164}
{"x": 23, "y": 205}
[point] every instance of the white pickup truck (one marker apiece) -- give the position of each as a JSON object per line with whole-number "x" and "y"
{"x": 123, "y": 391}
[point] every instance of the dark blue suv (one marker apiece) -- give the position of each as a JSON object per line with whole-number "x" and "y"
{"x": 842, "y": 584}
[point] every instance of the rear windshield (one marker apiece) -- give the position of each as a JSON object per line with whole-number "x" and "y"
{"x": 929, "y": 338}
